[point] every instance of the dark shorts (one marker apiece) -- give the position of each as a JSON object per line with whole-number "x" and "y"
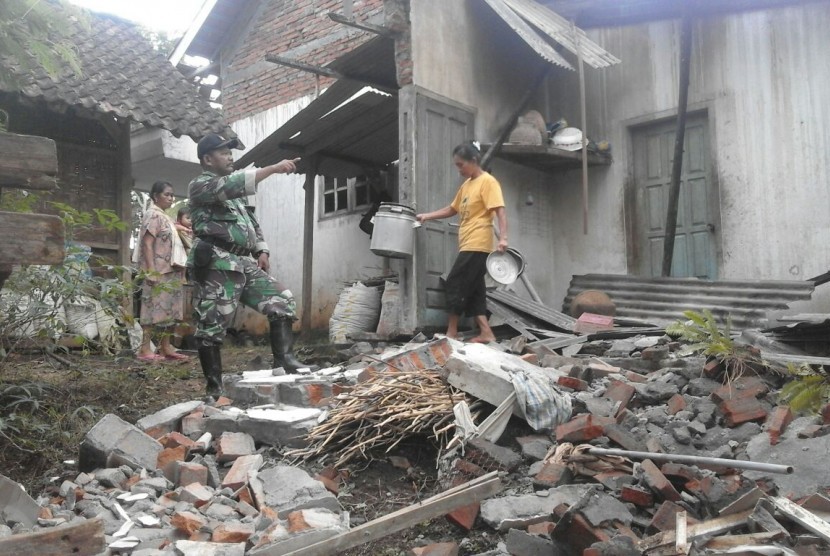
{"x": 466, "y": 291}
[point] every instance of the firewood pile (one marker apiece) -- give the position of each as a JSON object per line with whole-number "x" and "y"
{"x": 380, "y": 413}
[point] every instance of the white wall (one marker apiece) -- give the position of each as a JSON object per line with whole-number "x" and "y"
{"x": 763, "y": 78}
{"x": 341, "y": 250}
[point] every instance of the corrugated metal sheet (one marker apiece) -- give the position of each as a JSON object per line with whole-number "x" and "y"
{"x": 536, "y": 310}
{"x": 347, "y": 137}
{"x": 557, "y": 28}
{"x": 663, "y": 300}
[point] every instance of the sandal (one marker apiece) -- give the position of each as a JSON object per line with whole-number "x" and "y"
{"x": 150, "y": 357}
{"x": 176, "y": 356}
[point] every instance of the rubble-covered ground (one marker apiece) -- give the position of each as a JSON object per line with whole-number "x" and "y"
{"x": 257, "y": 473}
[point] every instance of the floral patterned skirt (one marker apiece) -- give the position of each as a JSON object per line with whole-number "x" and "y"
{"x": 163, "y": 302}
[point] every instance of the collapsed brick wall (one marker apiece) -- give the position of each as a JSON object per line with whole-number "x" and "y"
{"x": 297, "y": 29}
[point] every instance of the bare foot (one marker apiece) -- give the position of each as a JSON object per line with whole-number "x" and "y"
{"x": 482, "y": 340}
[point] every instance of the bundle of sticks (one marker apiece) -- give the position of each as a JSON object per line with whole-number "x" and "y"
{"x": 382, "y": 412}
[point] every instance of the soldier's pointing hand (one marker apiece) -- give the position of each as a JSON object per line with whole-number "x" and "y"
{"x": 286, "y": 166}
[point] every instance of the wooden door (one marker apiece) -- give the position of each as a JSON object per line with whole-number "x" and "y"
{"x": 434, "y": 126}
{"x": 695, "y": 252}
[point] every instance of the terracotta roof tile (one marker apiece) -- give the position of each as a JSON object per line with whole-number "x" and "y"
{"x": 124, "y": 76}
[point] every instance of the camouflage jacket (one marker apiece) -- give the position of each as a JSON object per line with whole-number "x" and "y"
{"x": 218, "y": 211}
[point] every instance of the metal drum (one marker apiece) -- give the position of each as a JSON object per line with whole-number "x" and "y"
{"x": 394, "y": 231}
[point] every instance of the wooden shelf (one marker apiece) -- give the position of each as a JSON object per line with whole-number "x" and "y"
{"x": 547, "y": 158}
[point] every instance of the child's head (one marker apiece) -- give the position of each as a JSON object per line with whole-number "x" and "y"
{"x": 183, "y": 216}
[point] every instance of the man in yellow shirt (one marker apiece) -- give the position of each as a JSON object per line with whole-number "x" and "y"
{"x": 477, "y": 200}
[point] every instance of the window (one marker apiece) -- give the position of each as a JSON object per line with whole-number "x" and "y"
{"x": 345, "y": 195}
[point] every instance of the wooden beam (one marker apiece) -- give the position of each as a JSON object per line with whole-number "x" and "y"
{"x": 31, "y": 239}
{"x": 308, "y": 245}
{"x": 29, "y": 162}
{"x": 805, "y": 518}
{"x": 328, "y": 72}
{"x": 440, "y": 504}
{"x": 80, "y": 538}
{"x": 124, "y": 187}
{"x": 368, "y": 27}
{"x": 679, "y": 138}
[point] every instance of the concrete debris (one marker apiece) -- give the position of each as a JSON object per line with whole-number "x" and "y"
{"x": 198, "y": 479}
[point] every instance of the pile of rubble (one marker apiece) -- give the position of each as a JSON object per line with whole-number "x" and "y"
{"x": 636, "y": 449}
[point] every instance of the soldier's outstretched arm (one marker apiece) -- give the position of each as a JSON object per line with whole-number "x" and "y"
{"x": 281, "y": 167}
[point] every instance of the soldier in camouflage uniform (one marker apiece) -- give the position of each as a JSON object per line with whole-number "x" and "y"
{"x": 224, "y": 270}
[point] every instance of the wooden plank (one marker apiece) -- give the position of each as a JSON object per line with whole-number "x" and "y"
{"x": 732, "y": 541}
{"x": 710, "y": 527}
{"x": 80, "y": 538}
{"x": 29, "y": 163}
{"x": 462, "y": 495}
{"x": 806, "y": 519}
{"x": 31, "y": 239}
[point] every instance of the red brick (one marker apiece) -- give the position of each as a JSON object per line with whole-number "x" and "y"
{"x": 187, "y": 473}
{"x": 468, "y": 468}
{"x": 573, "y": 383}
{"x": 329, "y": 472}
{"x": 543, "y": 529}
{"x": 223, "y": 402}
{"x": 631, "y": 376}
{"x": 813, "y": 431}
{"x": 196, "y": 494}
{"x": 188, "y": 522}
{"x": 296, "y": 522}
{"x": 742, "y": 410}
{"x": 825, "y": 415}
{"x": 658, "y": 482}
{"x": 637, "y": 496}
{"x": 465, "y": 516}
{"x": 232, "y": 445}
{"x": 331, "y": 485}
{"x": 576, "y": 532}
{"x": 621, "y": 392}
{"x": 174, "y": 439}
{"x": 778, "y": 420}
{"x": 675, "y": 404}
{"x": 232, "y": 532}
{"x": 553, "y": 475}
{"x": 531, "y": 358}
{"x": 168, "y": 457}
{"x": 713, "y": 368}
{"x": 665, "y": 517}
{"x": 743, "y": 387}
{"x": 582, "y": 428}
{"x": 238, "y": 474}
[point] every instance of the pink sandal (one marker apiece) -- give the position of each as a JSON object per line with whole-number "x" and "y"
{"x": 151, "y": 357}
{"x": 176, "y": 356}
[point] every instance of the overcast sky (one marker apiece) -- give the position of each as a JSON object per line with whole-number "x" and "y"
{"x": 172, "y": 16}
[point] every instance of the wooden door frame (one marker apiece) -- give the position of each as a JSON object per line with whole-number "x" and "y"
{"x": 632, "y": 218}
{"x": 412, "y": 272}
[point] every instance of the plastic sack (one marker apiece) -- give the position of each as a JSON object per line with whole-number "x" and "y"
{"x": 390, "y": 312}
{"x": 81, "y": 317}
{"x": 357, "y": 310}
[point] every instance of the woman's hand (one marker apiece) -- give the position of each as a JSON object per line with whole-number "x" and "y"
{"x": 421, "y": 218}
{"x": 502, "y": 246}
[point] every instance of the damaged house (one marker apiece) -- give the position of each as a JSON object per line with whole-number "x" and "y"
{"x": 755, "y": 162}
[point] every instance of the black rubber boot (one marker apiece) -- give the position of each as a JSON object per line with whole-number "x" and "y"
{"x": 282, "y": 342}
{"x": 211, "y": 359}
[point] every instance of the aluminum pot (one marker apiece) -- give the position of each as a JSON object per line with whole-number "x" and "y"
{"x": 394, "y": 231}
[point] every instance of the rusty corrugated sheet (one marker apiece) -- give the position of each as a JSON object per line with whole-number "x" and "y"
{"x": 663, "y": 300}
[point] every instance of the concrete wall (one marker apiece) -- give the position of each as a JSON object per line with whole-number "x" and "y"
{"x": 761, "y": 76}
{"x": 341, "y": 250}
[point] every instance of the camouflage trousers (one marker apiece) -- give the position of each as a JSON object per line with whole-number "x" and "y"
{"x": 219, "y": 293}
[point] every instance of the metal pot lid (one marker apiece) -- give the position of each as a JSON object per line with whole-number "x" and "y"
{"x": 503, "y": 267}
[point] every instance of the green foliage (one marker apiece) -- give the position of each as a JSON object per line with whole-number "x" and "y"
{"x": 703, "y": 334}
{"x": 36, "y": 298}
{"x": 36, "y": 33}
{"x": 808, "y": 391}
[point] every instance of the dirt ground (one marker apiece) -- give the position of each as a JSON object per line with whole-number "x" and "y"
{"x": 47, "y": 407}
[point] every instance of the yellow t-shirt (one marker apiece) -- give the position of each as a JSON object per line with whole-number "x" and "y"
{"x": 474, "y": 202}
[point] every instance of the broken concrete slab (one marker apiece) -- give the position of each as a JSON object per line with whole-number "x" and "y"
{"x": 113, "y": 437}
{"x": 16, "y": 506}
{"x": 168, "y": 419}
{"x": 232, "y": 445}
{"x": 807, "y": 455}
{"x": 288, "y": 489}
{"x": 300, "y": 529}
{"x": 275, "y": 426}
{"x": 517, "y": 512}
